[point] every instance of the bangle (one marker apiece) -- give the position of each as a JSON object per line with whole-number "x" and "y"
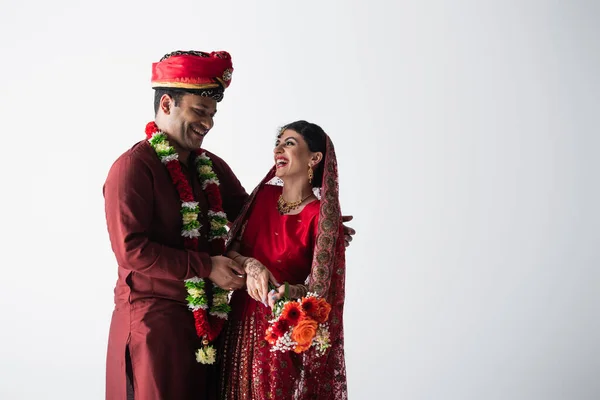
{"x": 303, "y": 290}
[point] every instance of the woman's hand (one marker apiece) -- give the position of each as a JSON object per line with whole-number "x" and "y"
{"x": 295, "y": 292}
{"x": 275, "y": 295}
{"x": 257, "y": 280}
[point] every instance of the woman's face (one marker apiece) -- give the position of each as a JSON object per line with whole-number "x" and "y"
{"x": 292, "y": 156}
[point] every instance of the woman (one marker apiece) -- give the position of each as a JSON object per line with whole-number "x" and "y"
{"x": 287, "y": 234}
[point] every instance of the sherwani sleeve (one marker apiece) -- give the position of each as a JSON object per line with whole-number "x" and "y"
{"x": 128, "y": 194}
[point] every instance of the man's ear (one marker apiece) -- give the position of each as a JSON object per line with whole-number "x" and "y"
{"x": 166, "y": 102}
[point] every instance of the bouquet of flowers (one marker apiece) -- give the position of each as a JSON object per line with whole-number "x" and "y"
{"x": 299, "y": 325}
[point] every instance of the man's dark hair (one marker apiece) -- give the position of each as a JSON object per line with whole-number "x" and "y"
{"x": 175, "y": 94}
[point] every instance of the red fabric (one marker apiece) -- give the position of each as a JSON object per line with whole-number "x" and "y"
{"x": 325, "y": 377}
{"x": 283, "y": 244}
{"x": 193, "y": 69}
{"x": 293, "y": 247}
{"x": 151, "y": 315}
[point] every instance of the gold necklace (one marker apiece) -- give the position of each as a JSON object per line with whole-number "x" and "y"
{"x": 285, "y": 207}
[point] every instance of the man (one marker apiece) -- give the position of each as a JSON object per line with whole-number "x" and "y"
{"x": 153, "y": 338}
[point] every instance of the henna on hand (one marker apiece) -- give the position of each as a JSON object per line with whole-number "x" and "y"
{"x": 253, "y": 268}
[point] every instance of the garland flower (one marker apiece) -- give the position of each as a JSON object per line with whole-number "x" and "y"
{"x": 208, "y": 318}
{"x": 298, "y": 325}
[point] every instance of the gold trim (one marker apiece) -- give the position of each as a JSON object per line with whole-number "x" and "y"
{"x": 221, "y": 82}
{"x": 185, "y": 85}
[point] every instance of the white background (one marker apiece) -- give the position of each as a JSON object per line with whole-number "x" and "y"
{"x": 467, "y": 136}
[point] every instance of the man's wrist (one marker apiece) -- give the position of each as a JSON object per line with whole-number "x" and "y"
{"x": 235, "y": 258}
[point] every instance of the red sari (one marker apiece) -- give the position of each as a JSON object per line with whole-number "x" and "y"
{"x": 284, "y": 244}
{"x": 303, "y": 248}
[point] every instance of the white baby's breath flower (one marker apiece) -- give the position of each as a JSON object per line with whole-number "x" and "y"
{"x": 321, "y": 340}
{"x": 284, "y": 343}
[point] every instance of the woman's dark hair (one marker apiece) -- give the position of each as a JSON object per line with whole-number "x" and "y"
{"x": 316, "y": 139}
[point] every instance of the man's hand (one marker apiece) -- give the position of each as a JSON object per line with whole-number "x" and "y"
{"x": 348, "y": 232}
{"x": 223, "y": 273}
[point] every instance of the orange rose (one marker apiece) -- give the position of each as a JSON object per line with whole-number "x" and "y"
{"x": 322, "y": 313}
{"x": 300, "y": 349}
{"x": 304, "y": 333}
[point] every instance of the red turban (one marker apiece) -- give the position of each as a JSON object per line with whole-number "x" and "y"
{"x": 194, "y": 70}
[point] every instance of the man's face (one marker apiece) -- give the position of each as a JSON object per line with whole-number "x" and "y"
{"x": 189, "y": 121}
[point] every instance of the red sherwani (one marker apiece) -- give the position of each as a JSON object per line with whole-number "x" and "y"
{"x": 151, "y": 324}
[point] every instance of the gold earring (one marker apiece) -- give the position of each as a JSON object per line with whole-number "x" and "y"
{"x": 310, "y": 174}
